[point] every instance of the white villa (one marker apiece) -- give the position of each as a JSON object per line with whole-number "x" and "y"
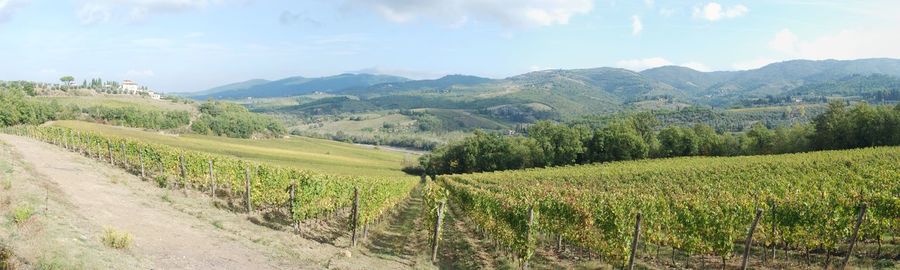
{"x": 132, "y": 88}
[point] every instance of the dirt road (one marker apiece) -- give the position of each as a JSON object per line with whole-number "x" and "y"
{"x": 170, "y": 230}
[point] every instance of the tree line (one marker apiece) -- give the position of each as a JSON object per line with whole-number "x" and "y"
{"x": 640, "y": 136}
{"x": 233, "y": 120}
{"x": 21, "y": 109}
{"x": 217, "y": 118}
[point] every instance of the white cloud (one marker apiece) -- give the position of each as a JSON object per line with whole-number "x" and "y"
{"x": 146, "y": 73}
{"x": 713, "y": 11}
{"x": 649, "y": 3}
{"x": 844, "y": 44}
{"x": 785, "y": 41}
{"x": 510, "y": 13}
{"x": 873, "y": 42}
{"x": 9, "y": 7}
{"x": 642, "y": 64}
{"x": 101, "y": 11}
{"x": 636, "y": 25}
{"x": 696, "y": 66}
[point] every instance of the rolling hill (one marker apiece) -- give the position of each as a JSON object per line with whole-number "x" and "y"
{"x": 295, "y": 86}
{"x": 563, "y": 94}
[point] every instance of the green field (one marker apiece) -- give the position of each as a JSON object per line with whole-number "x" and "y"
{"x": 305, "y": 153}
{"x": 121, "y": 101}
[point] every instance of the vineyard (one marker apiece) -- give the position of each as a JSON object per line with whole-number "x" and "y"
{"x": 697, "y": 205}
{"x": 259, "y": 186}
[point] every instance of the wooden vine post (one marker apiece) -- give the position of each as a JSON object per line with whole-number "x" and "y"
{"x": 528, "y": 232}
{"x": 247, "y": 191}
{"x": 124, "y": 155}
{"x": 141, "y": 160}
{"x": 749, "y": 242}
{"x": 437, "y": 232}
{"x": 852, "y": 240}
{"x": 354, "y": 216}
{"x": 81, "y": 142}
{"x": 292, "y": 196}
{"x": 183, "y": 172}
{"x": 559, "y": 243}
{"x": 634, "y": 240}
{"x": 212, "y": 180}
{"x": 109, "y": 149}
{"x": 774, "y": 224}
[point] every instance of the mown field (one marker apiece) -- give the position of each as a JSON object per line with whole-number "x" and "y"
{"x": 299, "y": 152}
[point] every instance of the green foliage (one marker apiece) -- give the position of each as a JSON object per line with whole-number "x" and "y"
{"x": 633, "y": 137}
{"x": 485, "y": 152}
{"x": 699, "y": 205}
{"x": 22, "y": 213}
{"x": 233, "y": 120}
{"x": 561, "y": 144}
{"x": 862, "y": 126}
{"x": 19, "y": 109}
{"x": 619, "y": 141}
{"x": 141, "y": 118}
{"x": 27, "y": 110}
{"x": 67, "y": 79}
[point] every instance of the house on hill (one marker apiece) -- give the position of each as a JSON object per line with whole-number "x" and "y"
{"x": 130, "y": 87}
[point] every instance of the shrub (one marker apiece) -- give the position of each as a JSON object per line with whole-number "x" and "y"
{"x": 22, "y": 213}
{"x": 116, "y": 239}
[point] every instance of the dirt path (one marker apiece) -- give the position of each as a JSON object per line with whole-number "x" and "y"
{"x": 402, "y": 235}
{"x": 170, "y": 231}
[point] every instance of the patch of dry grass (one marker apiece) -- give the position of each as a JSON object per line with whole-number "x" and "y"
{"x": 116, "y": 239}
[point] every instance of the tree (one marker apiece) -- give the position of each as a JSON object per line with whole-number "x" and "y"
{"x": 708, "y": 142}
{"x": 562, "y": 145}
{"x": 677, "y": 141}
{"x": 67, "y": 80}
{"x": 762, "y": 140}
{"x": 618, "y": 141}
{"x": 834, "y": 130}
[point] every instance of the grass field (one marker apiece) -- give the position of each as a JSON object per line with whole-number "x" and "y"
{"x": 117, "y": 101}
{"x": 305, "y": 153}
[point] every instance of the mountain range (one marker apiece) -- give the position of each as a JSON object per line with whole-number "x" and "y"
{"x": 561, "y": 92}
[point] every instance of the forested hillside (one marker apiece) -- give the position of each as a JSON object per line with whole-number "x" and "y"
{"x": 564, "y": 94}
{"x": 641, "y": 136}
{"x": 780, "y": 94}
{"x": 218, "y": 118}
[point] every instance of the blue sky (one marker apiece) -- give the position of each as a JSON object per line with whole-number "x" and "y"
{"x": 189, "y": 45}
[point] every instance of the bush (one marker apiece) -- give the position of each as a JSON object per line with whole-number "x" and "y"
{"x": 116, "y": 239}
{"x": 22, "y": 213}
{"x": 233, "y": 120}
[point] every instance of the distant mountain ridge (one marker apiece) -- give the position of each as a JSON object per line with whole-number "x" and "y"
{"x": 294, "y": 86}
{"x": 562, "y": 92}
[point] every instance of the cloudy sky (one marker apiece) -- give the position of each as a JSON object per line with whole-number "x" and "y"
{"x": 189, "y": 45}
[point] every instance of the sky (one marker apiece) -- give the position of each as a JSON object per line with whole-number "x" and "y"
{"x": 192, "y": 45}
